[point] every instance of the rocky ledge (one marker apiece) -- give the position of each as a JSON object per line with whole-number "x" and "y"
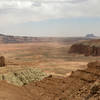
{"x": 80, "y": 85}
{"x": 90, "y": 47}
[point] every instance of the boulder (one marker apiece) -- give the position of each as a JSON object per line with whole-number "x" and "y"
{"x": 2, "y": 61}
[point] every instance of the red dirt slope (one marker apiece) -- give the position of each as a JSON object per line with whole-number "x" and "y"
{"x": 11, "y": 92}
{"x": 81, "y": 85}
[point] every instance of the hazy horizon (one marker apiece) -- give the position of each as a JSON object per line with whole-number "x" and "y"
{"x": 50, "y": 18}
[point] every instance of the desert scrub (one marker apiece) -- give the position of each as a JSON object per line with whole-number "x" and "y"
{"x": 24, "y": 76}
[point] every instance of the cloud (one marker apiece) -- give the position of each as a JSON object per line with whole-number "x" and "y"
{"x": 23, "y": 11}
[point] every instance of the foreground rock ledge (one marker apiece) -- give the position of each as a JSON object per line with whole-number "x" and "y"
{"x": 81, "y": 85}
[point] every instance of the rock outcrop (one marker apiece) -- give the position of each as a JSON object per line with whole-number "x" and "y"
{"x": 2, "y": 61}
{"x": 87, "y": 48}
{"x": 81, "y": 85}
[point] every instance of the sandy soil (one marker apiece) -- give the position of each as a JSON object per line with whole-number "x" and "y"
{"x": 50, "y": 57}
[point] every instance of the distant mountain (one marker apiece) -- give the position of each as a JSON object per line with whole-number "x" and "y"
{"x": 25, "y": 39}
{"x": 90, "y": 36}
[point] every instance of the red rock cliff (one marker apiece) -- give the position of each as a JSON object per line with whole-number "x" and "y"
{"x": 87, "y": 48}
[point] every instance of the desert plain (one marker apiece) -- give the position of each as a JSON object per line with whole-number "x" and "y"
{"x": 51, "y": 57}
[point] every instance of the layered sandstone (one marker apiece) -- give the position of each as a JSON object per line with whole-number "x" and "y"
{"x": 87, "y": 48}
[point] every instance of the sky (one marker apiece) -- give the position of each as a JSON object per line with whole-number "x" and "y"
{"x": 61, "y": 18}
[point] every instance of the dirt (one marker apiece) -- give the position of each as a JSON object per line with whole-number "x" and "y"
{"x": 50, "y": 57}
{"x": 80, "y": 85}
{"x": 53, "y": 58}
{"x": 88, "y": 48}
{"x": 11, "y": 92}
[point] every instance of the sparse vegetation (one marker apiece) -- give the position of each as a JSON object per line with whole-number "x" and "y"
{"x": 23, "y": 76}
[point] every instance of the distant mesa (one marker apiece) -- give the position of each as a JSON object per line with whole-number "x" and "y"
{"x": 87, "y": 48}
{"x": 29, "y": 39}
{"x": 2, "y": 34}
{"x": 90, "y": 36}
